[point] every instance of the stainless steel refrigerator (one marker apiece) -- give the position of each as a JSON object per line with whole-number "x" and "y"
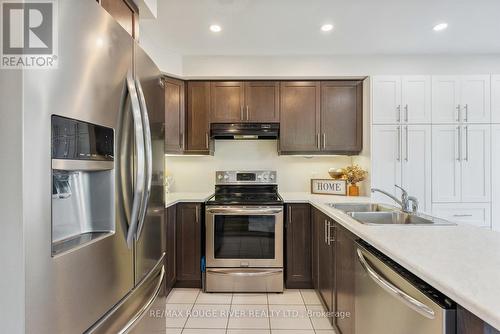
{"x": 93, "y": 157}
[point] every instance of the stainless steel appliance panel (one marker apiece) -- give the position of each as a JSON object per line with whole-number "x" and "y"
{"x": 151, "y": 231}
{"x": 133, "y": 313}
{"x": 387, "y": 303}
{"x": 244, "y": 280}
{"x": 70, "y": 292}
{"x": 244, "y": 244}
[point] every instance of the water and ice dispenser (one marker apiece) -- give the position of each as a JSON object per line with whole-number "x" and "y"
{"x": 83, "y": 179}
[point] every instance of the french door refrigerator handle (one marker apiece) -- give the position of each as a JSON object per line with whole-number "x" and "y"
{"x": 138, "y": 316}
{"x": 148, "y": 158}
{"x": 393, "y": 290}
{"x": 139, "y": 147}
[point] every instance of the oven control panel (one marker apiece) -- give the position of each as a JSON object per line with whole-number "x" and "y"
{"x": 245, "y": 177}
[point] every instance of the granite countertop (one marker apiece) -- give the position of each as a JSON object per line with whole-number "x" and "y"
{"x": 461, "y": 261}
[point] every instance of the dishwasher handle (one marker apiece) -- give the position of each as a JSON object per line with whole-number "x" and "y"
{"x": 408, "y": 300}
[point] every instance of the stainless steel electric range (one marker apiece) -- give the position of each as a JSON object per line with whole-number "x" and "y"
{"x": 244, "y": 233}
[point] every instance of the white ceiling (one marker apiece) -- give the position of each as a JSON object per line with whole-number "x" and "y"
{"x": 292, "y": 27}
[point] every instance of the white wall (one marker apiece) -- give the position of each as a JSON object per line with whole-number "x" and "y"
{"x": 335, "y": 66}
{"x": 197, "y": 173}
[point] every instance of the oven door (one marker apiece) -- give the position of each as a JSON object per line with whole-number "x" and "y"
{"x": 244, "y": 236}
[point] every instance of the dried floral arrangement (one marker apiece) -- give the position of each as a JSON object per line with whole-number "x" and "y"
{"x": 353, "y": 174}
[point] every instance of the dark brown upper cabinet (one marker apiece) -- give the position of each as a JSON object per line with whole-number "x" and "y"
{"x": 342, "y": 117}
{"x": 174, "y": 115}
{"x": 198, "y": 118}
{"x": 298, "y": 246}
{"x": 262, "y": 101}
{"x": 125, "y": 12}
{"x": 299, "y": 117}
{"x": 321, "y": 118}
{"x": 227, "y": 102}
{"x": 239, "y": 102}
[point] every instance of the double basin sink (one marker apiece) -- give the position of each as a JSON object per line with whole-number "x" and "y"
{"x": 377, "y": 214}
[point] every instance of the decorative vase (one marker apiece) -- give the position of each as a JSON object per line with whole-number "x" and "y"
{"x": 353, "y": 190}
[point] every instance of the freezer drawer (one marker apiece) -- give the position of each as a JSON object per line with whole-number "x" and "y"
{"x": 138, "y": 310}
{"x": 389, "y": 300}
{"x": 244, "y": 280}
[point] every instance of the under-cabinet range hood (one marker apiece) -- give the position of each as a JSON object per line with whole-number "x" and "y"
{"x": 244, "y": 130}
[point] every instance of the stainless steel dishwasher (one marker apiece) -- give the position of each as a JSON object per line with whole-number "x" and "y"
{"x": 390, "y": 300}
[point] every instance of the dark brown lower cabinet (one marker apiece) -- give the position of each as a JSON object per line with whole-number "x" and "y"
{"x": 345, "y": 251}
{"x": 468, "y": 323}
{"x": 325, "y": 239}
{"x": 188, "y": 245}
{"x": 170, "y": 266}
{"x": 298, "y": 246}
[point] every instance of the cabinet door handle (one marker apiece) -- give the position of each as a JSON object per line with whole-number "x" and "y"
{"x": 458, "y": 112}
{"x": 398, "y": 109}
{"x": 399, "y": 143}
{"x": 326, "y": 233}
{"x": 466, "y": 107}
{"x": 459, "y": 140}
{"x": 406, "y": 113}
{"x": 463, "y": 215}
{"x": 289, "y": 215}
{"x": 318, "y": 141}
{"x": 247, "y": 113}
{"x": 241, "y": 112}
{"x": 407, "y": 144}
{"x": 206, "y": 139}
{"x": 324, "y": 140}
{"x": 466, "y": 143}
{"x": 197, "y": 215}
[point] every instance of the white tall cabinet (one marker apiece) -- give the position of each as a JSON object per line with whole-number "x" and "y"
{"x": 433, "y": 136}
{"x": 495, "y": 176}
{"x": 401, "y": 137}
{"x": 458, "y": 99}
{"x": 461, "y": 148}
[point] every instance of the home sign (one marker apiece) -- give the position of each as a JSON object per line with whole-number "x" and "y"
{"x": 328, "y": 187}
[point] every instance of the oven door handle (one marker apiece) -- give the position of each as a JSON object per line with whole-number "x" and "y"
{"x": 243, "y": 211}
{"x": 236, "y": 272}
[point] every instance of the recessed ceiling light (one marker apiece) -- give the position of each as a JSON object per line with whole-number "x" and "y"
{"x": 440, "y": 26}
{"x": 326, "y": 27}
{"x": 215, "y": 28}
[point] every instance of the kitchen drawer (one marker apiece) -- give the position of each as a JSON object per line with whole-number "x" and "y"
{"x": 477, "y": 214}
